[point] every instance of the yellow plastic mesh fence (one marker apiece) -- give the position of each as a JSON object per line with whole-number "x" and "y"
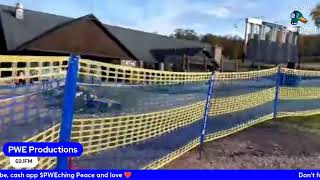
{"x": 49, "y": 135}
{"x": 299, "y": 113}
{"x": 92, "y": 71}
{"x": 244, "y": 75}
{"x": 210, "y": 137}
{"x": 303, "y": 73}
{"x": 299, "y": 92}
{"x": 31, "y": 68}
{"x": 237, "y": 103}
{"x": 36, "y": 68}
{"x": 100, "y": 134}
{"x": 240, "y": 100}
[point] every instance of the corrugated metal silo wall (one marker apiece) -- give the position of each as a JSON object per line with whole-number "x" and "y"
{"x": 271, "y": 52}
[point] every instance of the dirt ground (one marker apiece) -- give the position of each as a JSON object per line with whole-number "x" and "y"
{"x": 290, "y": 143}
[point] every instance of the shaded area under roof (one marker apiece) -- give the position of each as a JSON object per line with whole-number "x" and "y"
{"x": 160, "y": 54}
{"x": 142, "y": 43}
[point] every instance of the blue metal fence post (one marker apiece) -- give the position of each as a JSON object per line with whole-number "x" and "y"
{"x": 206, "y": 111}
{"x": 276, "y": 98}
{"x": 68, "y": 106}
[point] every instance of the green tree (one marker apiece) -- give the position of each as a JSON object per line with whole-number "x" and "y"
{"x": 212, "y": 39}
{"x": 315, "y": 14}
{"x": 232, "y": 46}
{"x": 188, "y": 34}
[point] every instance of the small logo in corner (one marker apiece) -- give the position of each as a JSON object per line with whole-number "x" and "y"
{"x": 297, "y": 16}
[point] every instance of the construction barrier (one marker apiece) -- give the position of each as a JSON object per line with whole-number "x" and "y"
{"x": 132, "y": 118}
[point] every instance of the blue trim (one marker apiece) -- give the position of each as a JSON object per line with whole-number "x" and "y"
{"x": 264, "y": 174}
{"x": 70, "y": 90}
{"x": 276, "y": 98}
{"x": 206, "y": 111}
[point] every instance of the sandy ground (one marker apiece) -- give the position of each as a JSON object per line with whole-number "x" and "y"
{"x": 276, "y": 144}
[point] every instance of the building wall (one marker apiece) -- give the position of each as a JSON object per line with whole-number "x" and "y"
{"x": 3, "y": 48}
{"x": 82, "y": 37}
{"x": 271, "y": 52}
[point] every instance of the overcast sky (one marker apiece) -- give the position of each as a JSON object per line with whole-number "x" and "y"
{"x": 163, "y": 16}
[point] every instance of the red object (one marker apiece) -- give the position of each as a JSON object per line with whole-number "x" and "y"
{"x": 127, "y": 174}
{"x": 72, "y": 166}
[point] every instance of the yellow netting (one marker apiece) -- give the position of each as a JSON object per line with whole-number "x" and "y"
{"x": 98, "y": 134}
{"x": 300, "y": 72}
{"x": 299, "y": 93}
{"x": 33, "y": 67}
{"x": 104, "y": 133}
{"x": 118, "y": 73}
{"x": 242, "y": 102}
{"x": 49, "y": 135}
{"x": 172, "y": 156}
{"x": 299, "y": 113}
{"x": 244, "y": 75}
{"x": 44, "y": 67}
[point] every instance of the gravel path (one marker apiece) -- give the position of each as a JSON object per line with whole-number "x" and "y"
{"x": 272, "y": 145}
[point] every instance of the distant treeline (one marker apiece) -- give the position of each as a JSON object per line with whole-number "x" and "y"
{"x": 232, "y": 45}
{"x": 309, "y": 45}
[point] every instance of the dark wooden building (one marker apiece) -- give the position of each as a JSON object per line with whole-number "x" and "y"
{"x": 27, "y": 32}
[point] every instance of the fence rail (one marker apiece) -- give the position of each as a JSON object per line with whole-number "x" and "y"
{"x": 149, "y": 138}
{"x": 39, "y": 68}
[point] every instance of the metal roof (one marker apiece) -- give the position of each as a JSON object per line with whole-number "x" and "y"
{"x": 140, "y": 44}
